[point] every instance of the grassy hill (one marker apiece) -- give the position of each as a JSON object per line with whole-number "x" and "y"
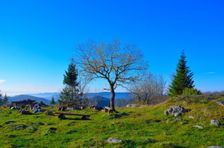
{"x": 136, "y": 127}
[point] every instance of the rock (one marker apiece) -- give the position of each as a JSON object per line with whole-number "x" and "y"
{"x": 36, "y": 108}
{"x": 215, "y": 123}
{"x": 25, "y": 112}
{"x": 215, "y": 147}
{"x": 51, "y": 130}
{"x": 32, "y": 129}
{"x": 220, "y": 103}
{"x": 198, "y": 126}
{"x": 190, "y": 117}
{"x": 62, "y": 108}
{"x": 178, "y": 119}
{"x": 98, "y": 108}
{"x": 175, "y": 111}
{"x": 12, "y": 108}
{"x": 149, "y": 140}
{"x": 61, "y": 116}
{"x": 20, "y": 127}
{"x": 132, "y": 105}
{"x": 113, "y": 140}
{"x": 108, "y": 109}
{"x": 49, "y": 113}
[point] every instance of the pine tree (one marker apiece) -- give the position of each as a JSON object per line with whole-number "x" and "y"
{"x": 52, "y": 101}
{"x": 1, "y": 99}
{"x": 182, "y": 79}
{"x": 70, "y": 94}
{"x": 5, "y": 99}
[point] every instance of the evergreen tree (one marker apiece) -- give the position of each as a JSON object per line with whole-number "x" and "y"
{"x": 182, "y": 79}
{"x": 5, "y": 99}
{"x": 1, "y": 99}
{"x": 52, "y": 101}
{"x": 70, "y": 94}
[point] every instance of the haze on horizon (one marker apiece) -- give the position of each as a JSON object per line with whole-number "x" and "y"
{"x": 38, "y": 39}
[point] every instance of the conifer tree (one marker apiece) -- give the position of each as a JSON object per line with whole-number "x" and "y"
{"x": 182, "y": 79}
{"x": 5, "y": 99}
{"x": 1, "y": 99}
{"x": 52, "y": 101}
{"x": 70, "y": 94}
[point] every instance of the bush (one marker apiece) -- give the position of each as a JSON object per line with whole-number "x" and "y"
{"x": 191, "y": 91}
{"x": 192, "y": 98}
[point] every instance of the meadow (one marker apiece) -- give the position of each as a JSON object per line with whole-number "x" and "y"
{"x": 144, "y": 126}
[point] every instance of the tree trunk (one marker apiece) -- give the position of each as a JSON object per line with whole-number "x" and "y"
{"x": 112, "y": 100}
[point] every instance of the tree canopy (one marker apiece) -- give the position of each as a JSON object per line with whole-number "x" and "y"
{"x": 116, "y": 64}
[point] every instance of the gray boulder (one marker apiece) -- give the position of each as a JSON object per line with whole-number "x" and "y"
{"x": 132, "y": 105}
{"x": 215, "y": 147}
{"x": 113, "y": 140}
{"x": 36, "y": 108}
{"x": 175, "y": 111}
{"x": 20, "y": 127}
{"x": 215, "y": 123}
{"x": 198, "y": 126}
{"x": 49, "y": 113}
{"x": 220, "y": 103}
{"x": 25, "y": 112}
{"x": 190, "y": 117}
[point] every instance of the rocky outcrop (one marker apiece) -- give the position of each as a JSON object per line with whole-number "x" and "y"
{"x": 221, "y": 103}
{"x": 49, "y": 113}
{"x": 175, "y": 111}
{"x": 215, "y": 123}
{"x": 132, "y": 105}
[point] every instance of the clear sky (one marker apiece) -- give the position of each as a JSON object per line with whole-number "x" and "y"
{"x": 38, "y": 38}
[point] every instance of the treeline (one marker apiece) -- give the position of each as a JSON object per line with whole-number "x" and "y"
{"x": 121, "y": 66}
{"x": 3, "y": 99}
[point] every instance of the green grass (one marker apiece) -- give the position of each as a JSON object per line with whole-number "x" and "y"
{"x": 136, "y": 127}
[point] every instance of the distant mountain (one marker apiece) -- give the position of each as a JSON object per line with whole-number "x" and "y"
{"x": 26, "y": 97}
{"x": 119, "y": 95}
{"x": 101, "y": 99}
{"x": 56, "y": 95}
{"x": 47, "y": 96}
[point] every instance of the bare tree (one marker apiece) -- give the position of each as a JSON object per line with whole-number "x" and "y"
{"x": 112, "y": 62}
{"x": 148, "y": 88}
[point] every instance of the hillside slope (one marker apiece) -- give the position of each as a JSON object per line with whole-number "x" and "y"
{"x": 136, "y": 127}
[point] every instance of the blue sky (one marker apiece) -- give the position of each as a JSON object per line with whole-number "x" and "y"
{"x": 38, "y": 38}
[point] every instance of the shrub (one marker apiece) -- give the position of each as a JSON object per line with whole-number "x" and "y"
{"x": 192, "y": 98}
